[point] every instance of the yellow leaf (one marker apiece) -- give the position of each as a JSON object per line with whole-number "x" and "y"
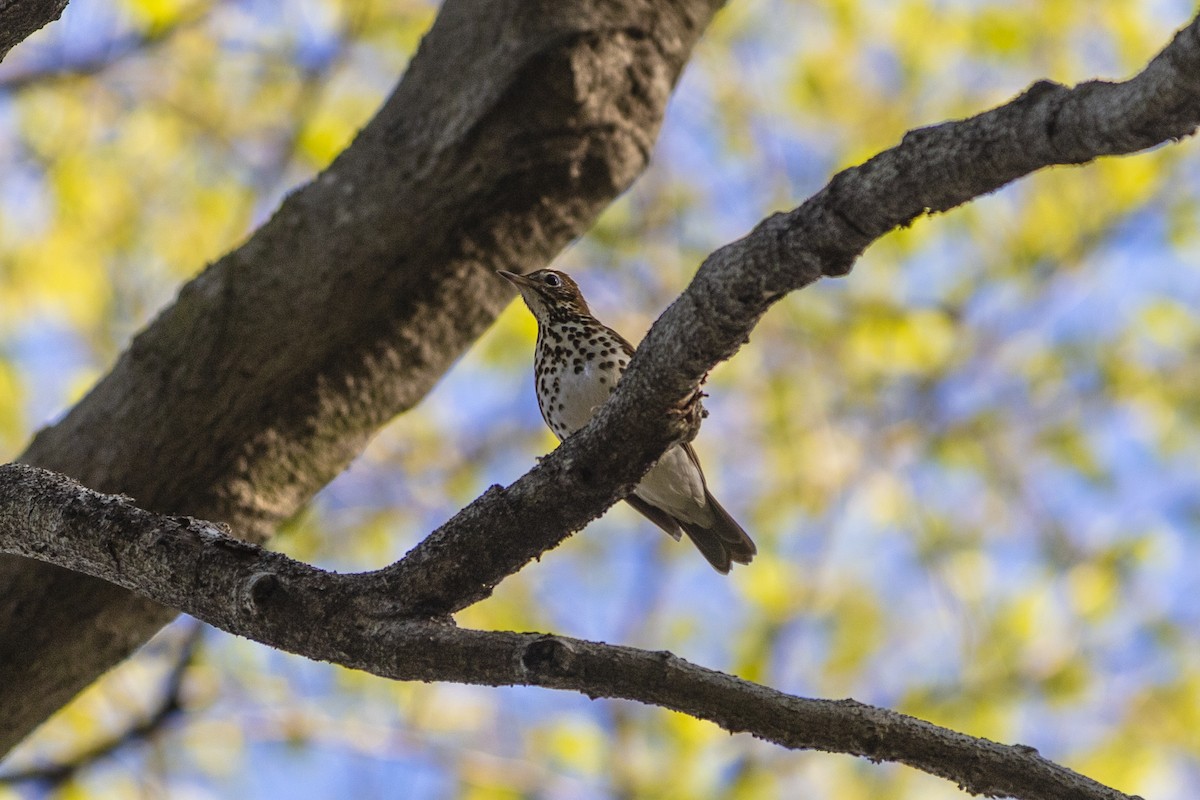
{"x": 12, "y": 395}
{"x": 920, "y": 342}
{"x": 773, "y": 589}
{"x": 64, "y": 274}
{"x": 1168, "y": 323}
{"x": 1092, "y": 589}
{"x": 857, "y": 626}
{"x": 156, "y": 13}
{"x": 969, "y": 574}
{"x": 577, "y": 743}
{"x": 887, "y": 500}
{"x": 1000, "y": 30}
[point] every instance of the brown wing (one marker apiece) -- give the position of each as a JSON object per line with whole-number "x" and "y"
{"x": 723, "y": 541}
{"x": 656, "y": 515}
{"x": 625, "y": 345}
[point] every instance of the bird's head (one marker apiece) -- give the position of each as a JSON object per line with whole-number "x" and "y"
{"x": 551, "y": 295}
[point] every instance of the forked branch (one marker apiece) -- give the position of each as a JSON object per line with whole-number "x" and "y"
{"x": 394, "y": 622}
{"x": 197, "y": 567}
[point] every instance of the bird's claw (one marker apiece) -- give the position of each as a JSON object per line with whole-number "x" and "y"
{"x": 691, "y": 411}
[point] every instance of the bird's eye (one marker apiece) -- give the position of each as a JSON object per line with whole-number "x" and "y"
{"x": 553, "y": 280}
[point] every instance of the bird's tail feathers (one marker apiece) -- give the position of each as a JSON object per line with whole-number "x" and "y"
{"x": 723, "y": 542}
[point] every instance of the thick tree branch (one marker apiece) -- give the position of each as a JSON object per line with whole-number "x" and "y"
{"x": 516, "y": 123}
{"x": 20, "y": 18}
{"x": 932, "y": 169}
{"x": 197, "y": 567}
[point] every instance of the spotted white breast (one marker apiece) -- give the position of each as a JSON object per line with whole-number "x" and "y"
{"x": 575, "y": 376}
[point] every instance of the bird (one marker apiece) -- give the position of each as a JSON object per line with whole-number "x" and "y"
{"x": 577, "y": 363}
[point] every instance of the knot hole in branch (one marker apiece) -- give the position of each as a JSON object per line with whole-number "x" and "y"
{"x": 548, "y": 656}
{"x": 260, "y": 589}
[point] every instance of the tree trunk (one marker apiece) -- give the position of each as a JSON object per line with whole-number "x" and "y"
{"x": 515, "y": 124}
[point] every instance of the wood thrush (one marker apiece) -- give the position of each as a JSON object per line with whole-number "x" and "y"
{"x": 576, "y": 366}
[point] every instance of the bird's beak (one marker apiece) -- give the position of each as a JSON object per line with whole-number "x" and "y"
{"x": 520, "y": 281}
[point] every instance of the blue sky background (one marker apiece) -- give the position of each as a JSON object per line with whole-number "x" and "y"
{"x": 969, "y": 464}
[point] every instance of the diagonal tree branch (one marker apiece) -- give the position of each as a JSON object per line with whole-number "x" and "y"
{"x": 197, "y": 567}
{"x": 933, "y": 169}
{"x": 20, "y": 18}
{"x": 516, "y": 123}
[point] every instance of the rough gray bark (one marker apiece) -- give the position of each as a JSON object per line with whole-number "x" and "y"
{"x": 348, "y": 619}
{"x": 933, "y": 169}
{"x": 20, "y": 18}
{"x": 392, "y": 622}
{"x": 516, "y": 122}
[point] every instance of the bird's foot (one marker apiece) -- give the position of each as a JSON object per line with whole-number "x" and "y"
{"x": 690, "y": 411}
